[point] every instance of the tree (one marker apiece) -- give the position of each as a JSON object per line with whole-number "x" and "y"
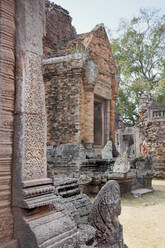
{"x": 160, "y": 92}
{"x": 140, "y": 53}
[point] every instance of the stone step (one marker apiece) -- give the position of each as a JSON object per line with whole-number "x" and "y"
{"x": 70, "y": 192}
{"x": 67, "y": 186}
{"x": 141, "y": 191}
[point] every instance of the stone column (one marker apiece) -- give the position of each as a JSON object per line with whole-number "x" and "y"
{"x": 112, "y": 120}
{"x": 114, "y": 86}
{"x": 107, "y": 121}
{"x": 30, "y": 166}
{"x": 36, "y": 224}
{"x": 89, "y": 115}
{"x": 91, "y": 73}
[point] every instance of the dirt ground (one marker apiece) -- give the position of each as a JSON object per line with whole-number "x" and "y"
{"x": 143, "y": 218}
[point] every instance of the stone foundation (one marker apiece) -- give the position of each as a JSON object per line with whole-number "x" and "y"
{"x": 159, "y": 168}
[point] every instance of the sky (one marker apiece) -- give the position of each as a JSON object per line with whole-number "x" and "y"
{"x": 87, "y": 14}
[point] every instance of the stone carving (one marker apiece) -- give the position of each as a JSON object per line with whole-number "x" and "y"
{"x": 30, "y": 121}
{"x": 77, "y": 206}
{"x": 55, "y": 230}
{"x": 38, "y": 196}
{"x": 122, "y": 164}
{"x": 35, "y": 150}
{"x": 34, "y": 92}
{"x": 106, "y": 153}
{"x": 104, "y": 217}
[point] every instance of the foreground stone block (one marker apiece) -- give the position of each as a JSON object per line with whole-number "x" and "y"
{"x": 50, "y": 230}
{"x": 104, "y": 217}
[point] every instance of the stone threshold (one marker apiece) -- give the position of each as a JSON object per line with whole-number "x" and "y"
{"x": 141, "y": 191}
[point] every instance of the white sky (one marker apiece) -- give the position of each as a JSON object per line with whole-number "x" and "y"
{"x": 87, "y": 13}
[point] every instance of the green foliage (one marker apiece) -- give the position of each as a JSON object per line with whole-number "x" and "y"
{"x": 160, "y": 92}
{"x": 140, "y": 53}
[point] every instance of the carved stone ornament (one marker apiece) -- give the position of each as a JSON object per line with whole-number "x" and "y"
{"x": 104, "y": 217}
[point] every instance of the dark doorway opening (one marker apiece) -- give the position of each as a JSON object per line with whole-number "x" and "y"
{"x": 98, "y": 125}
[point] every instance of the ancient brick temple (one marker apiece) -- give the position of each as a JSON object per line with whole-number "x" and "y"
{"x": 33, "y": 211}
{"x": 81, "y": 83}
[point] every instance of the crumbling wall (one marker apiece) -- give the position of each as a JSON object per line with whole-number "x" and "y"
{"x": 152, "y": 129}
{"x": 152, "y": 125}
{"x": 7, "y": 63}
{"x": 58, "y": 28}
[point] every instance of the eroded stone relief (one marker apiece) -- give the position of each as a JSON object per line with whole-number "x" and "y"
{"x": 104, "y": 217}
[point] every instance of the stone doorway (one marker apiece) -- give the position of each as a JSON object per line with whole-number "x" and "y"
{"x": 101, "y": 122}
{"x": 98, "y": 123}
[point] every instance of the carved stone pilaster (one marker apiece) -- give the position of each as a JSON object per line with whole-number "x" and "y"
{"x": 36, "y": 225}
{"x": 30, "y": 119}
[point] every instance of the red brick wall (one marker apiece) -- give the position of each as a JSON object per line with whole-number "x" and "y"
{"x": 63, "y": 89}
{"x": 58, "y": 28}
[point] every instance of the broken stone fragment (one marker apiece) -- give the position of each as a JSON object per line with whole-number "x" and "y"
{"x": 122, "y": 164}
{"x": 106, "y": 153}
